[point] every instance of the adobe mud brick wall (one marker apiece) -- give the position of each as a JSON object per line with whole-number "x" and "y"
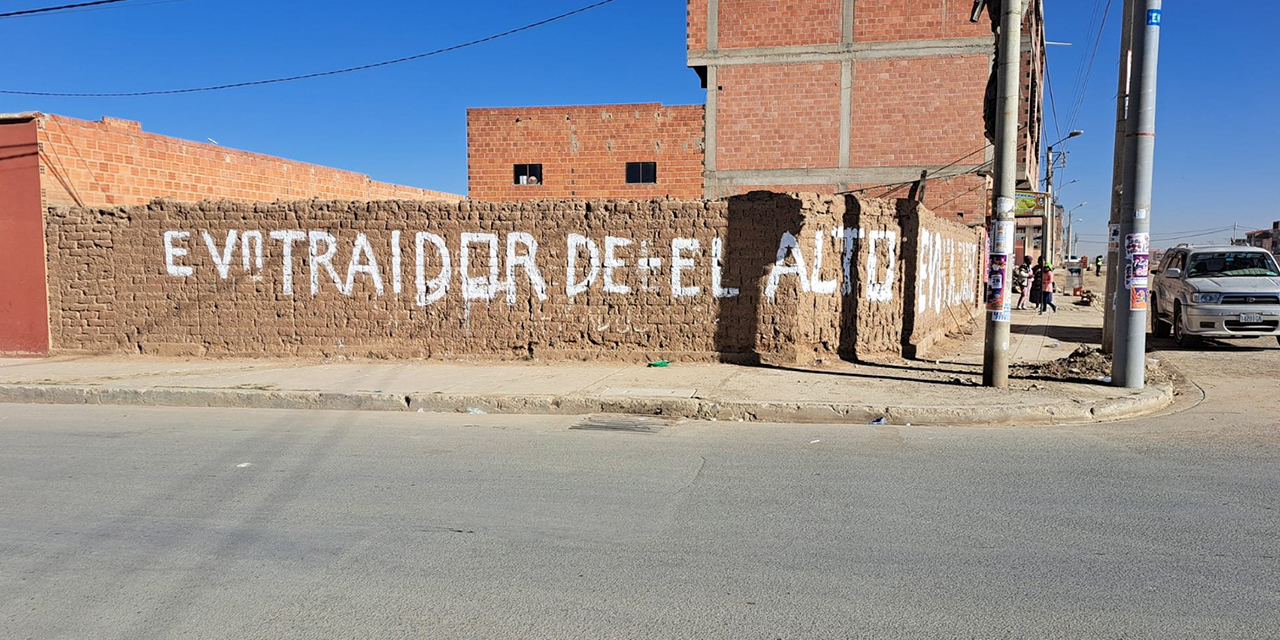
{"x": 943, "y": 279}
{"x": 584, "y": 151}
{"x": 786, "y": 279}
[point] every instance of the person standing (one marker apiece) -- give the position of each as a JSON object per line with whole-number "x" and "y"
{"x": 1046, "y": 289}
{"x": 1097, "y": 266}
{"x": 1022, "y": 275}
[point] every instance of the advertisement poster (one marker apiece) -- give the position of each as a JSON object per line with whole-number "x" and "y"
{"x": 1113, "y": 237}
{"x": 996, "y": 275}
{"x": 1137, "y": 244}
{"x": 1138, "y": 299}
{"x": 1141, "y": 266}
{"x": 1004, "y": 237}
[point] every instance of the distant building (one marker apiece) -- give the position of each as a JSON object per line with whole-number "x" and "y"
{"x": 806, "y": 95}
{"x": 1268, "y": 239}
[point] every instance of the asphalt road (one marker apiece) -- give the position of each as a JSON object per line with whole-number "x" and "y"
{"x": 126, "y": 522}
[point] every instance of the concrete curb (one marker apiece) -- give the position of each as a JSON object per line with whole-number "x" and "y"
{"x": 1148, "y": 400}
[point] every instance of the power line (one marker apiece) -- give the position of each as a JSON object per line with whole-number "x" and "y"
{"x": 1088, "y": 70}
{"x": 110, "y": 7}
{"x": 28, "y": 12}
{"x": 933, "y": 174}
{"x": 306, "y": 76}
{"x": 1053, "y": 103}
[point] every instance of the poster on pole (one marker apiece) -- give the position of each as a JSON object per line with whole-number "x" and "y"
{"x": 1005, "y": 231}
{"x": 1113, "y": 237}
{"x": 1137, "y": 244}
{"x": 997, "y": 279}
{"x": 1138, "y": 299}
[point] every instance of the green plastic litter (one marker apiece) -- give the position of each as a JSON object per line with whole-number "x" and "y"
{"x": 660, "y": 363}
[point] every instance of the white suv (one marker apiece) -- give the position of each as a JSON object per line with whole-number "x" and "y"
{"x": 1216, "y": 292}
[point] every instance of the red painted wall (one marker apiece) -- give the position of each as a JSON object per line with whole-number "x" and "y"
{"x": 24, "y": 307}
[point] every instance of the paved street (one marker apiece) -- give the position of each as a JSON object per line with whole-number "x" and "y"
{"x": 128, "y": 522}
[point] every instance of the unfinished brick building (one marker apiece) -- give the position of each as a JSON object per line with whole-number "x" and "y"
{"x": 802, "y": 95}
{"x": 48, "y": 160}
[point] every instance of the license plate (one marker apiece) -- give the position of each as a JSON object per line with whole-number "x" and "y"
{"x": 1251, "y": 318}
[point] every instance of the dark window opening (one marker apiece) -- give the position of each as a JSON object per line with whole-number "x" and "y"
{"x": 642, "y": 172}
{"x": 528, "y": 174}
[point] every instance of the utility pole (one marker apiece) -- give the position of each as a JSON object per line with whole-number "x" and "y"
{"x": 1050, "y": 211}
{"x": 1114, "y": 278}
{"x": 995, "y": 361}
{"x": 1128, "y": 367}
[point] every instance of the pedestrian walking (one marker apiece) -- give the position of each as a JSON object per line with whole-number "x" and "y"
{"x": 1022, "y": 276}
{"x": 1046, "y": 290}
{"x": 1097, "y": 266}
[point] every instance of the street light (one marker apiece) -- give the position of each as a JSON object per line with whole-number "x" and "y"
{"x": 1071, "y": 244}
{"x": 1049, "y": 215}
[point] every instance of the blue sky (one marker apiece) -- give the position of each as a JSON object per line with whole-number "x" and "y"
{"x": 1217, "y": 150}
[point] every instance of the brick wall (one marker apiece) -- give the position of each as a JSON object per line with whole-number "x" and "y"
{"x": 778, "y": 116}
{"x": 113, "y": 162}
{"x": 944, "y": 278}
{"x": 697, "y": 25}
{"x": 963, "y": 198}
{"x": 777, "y": 278}
{"x": 882, "y": 20}
{"x": 779, "y": 23}
{"x": 918, "y": 111}
{"x": 583, "y": 151}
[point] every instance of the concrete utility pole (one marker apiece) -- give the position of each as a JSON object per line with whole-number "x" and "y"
{"x": 1117, "y": 177}
{"x": 1050, "y": 211}
{"x": 1128, "y": 367}
{"x": 995, "y": 361}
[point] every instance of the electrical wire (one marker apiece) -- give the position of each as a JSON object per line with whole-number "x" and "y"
{"x": 307, "y": 76}
{"x": 110, "y": 7}
{"x": 28, "y": 12}
{"x": 933, "y": 174}
{"x": 1088, "y": 70}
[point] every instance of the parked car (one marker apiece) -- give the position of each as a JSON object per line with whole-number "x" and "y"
{"x": 1215, "y": 292}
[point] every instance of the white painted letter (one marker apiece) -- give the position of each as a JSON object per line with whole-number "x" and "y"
{"x": 850, "y": 243}
{"x": 367, "y": 266}
{"x": 881, "y": 291}
{"x": 576, "y": 242}
{"x": 326, "y": 259}
{"x": 717, "y": 270}
{"x": 679, "y": 264}
{"x": 479, "y": 287}
{"x": 397, "y": 263}
{"x": 611, "y": 262}
{"x": 787, "y": 246}
{"x": 527, "y": 262}
{"x": 439, "y": 284}
{"x": 221, "y": 261}
{"x": 287, "y": 238}
{"x": 171, "y": 252}
{"x": 254, "y": 239}
{"x": 820, "y": 285}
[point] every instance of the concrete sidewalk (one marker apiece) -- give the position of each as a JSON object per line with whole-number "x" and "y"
{"x": 942, "y": 391}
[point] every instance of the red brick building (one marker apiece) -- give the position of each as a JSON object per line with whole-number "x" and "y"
{"x": 584, "y": 152}
{"x": 802, "y": 95}
{"x": 48, "y": 160}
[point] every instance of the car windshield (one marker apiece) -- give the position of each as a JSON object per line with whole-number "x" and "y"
{"x": 1224, "y": 264}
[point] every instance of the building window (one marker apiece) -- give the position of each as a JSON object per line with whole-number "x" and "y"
{"x": 642, "y": 172}
{"x": 528, "y": 174}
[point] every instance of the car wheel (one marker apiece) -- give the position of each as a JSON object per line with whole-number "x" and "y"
{"x": 1180, "y": 334}
{"x": 1159, "y": 328}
